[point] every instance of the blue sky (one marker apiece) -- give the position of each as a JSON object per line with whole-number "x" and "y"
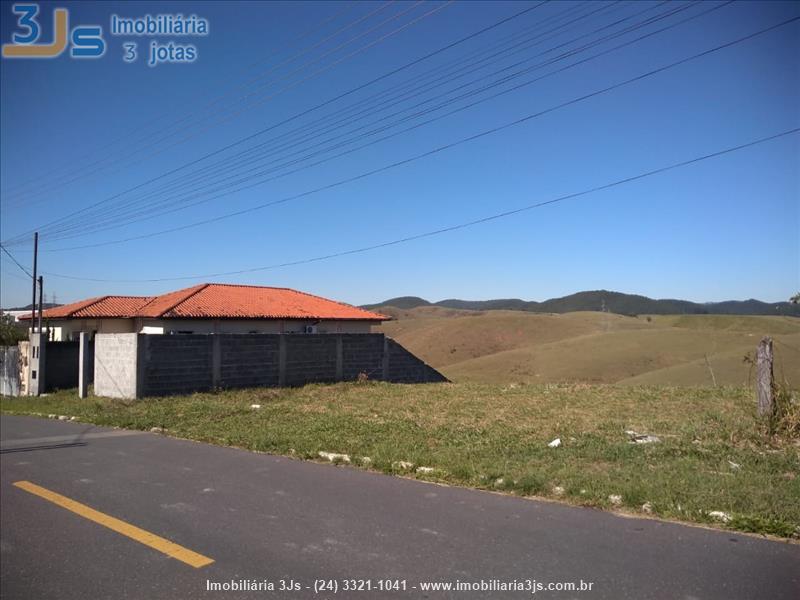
{"x": 76, "y": 133}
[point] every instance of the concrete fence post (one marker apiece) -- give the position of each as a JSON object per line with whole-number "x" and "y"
{"x": 38, "y": 360}
{"x": 216, "y": 361}
{"x": 339, "y": 358}
{"x": 282, "y": 359}
{"x": 142, "y": 353}
{"x": 83, "y": 365}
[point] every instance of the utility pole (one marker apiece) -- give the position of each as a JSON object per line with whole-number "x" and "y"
{"x": 35, "y": 256}
{"x": 41, "y": 289}
{"x": 38, "y": 344}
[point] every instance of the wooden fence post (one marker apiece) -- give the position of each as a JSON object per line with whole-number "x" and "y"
{"x": 764, "y": 381}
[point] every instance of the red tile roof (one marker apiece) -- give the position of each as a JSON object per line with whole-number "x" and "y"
{"x": 103, "y": 306}
{"x": 158, "y": 306}
{"x": 216, "y": 301}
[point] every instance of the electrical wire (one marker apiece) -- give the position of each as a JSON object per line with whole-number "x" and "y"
{"x": 241, "y": 159}
{"x": 459, "y": 226}
{"x": 141, "y": 127}
{"x": 481, "y": 90}
{"x": 16, "y": 262}
{"x": 195, "y": 132}
{"x": 146, "y": 138}
{"x": 189, "y": 194}
{"x": 438, "y": 149}
{"x": 115, "y": 211}
{"x": 249, "y": 137}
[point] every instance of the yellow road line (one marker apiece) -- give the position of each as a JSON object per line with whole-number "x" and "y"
{"x": 140, "y": 535}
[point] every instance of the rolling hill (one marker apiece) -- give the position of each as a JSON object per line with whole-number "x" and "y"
{"x": 504, "y": 346}
{"x": 604, "y": 301}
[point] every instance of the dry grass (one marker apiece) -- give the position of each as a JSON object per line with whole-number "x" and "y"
{"x": 509, "y": 346}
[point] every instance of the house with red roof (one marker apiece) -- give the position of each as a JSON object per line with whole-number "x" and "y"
{"x": 210, "y": 308}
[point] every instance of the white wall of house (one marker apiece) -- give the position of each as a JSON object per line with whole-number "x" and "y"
{"x": 67, "y": 329}
{"x": 249, "y": 326}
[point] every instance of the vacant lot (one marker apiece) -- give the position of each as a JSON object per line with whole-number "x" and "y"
{"x": 594, "y": 347}
{"x": 713, "y": 454}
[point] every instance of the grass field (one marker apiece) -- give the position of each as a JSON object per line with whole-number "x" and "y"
{"x": 594, "y": 347}
{"x": 713, "y": 455}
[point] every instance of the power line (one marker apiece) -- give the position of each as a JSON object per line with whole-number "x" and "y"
{"x": 6, "y": 273}
{"x": 435, "y": 150}
{"x": 11, "y": 256}
{"x": 459, "y": 226}
{"x": 195, "y": 132}
{"x": 409, "y": 91}
{"x": 116, "y": 220}
{"x": 114, "y": 211}
{"x": 115, "y": 215}
{"x": 208, "y": 172}
{"x": 148, "y": 141}
{"x": 347, "y": 7}
{"x": 327, "y": 67}
{"x": 294, "y": 117}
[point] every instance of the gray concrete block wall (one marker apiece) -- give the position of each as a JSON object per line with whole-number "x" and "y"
{"x": 62, "y": 366}
{"x": 175, "y": 364}
{"x": 248, "y": 360}
{"x": 404, "y": 367}
{"x": 115, "y": 365}
{"x": 159, "y": 365}
{"x": 310, "y": 359}
{"x": 362, "y": 353}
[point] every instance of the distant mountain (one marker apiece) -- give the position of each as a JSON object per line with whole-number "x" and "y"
{"x": 45, "y": 304}
{"x": 603, "y": 300}
{"x": 405, "y": 302}
{"x": 501, "y": 304}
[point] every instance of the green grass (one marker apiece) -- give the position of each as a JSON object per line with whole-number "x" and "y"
{"x": 495, "y": 437}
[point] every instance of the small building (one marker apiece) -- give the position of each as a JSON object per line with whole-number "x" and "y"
{"x": 209, "y": 308}
{"x": 16, "y": 314}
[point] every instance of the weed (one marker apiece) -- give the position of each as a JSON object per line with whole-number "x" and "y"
{"x": 785, "y": 417}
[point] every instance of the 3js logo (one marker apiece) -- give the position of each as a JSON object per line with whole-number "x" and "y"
{"x": 85, "y": 42}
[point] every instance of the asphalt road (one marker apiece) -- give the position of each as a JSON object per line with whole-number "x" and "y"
{"x": 268, "y": 518}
